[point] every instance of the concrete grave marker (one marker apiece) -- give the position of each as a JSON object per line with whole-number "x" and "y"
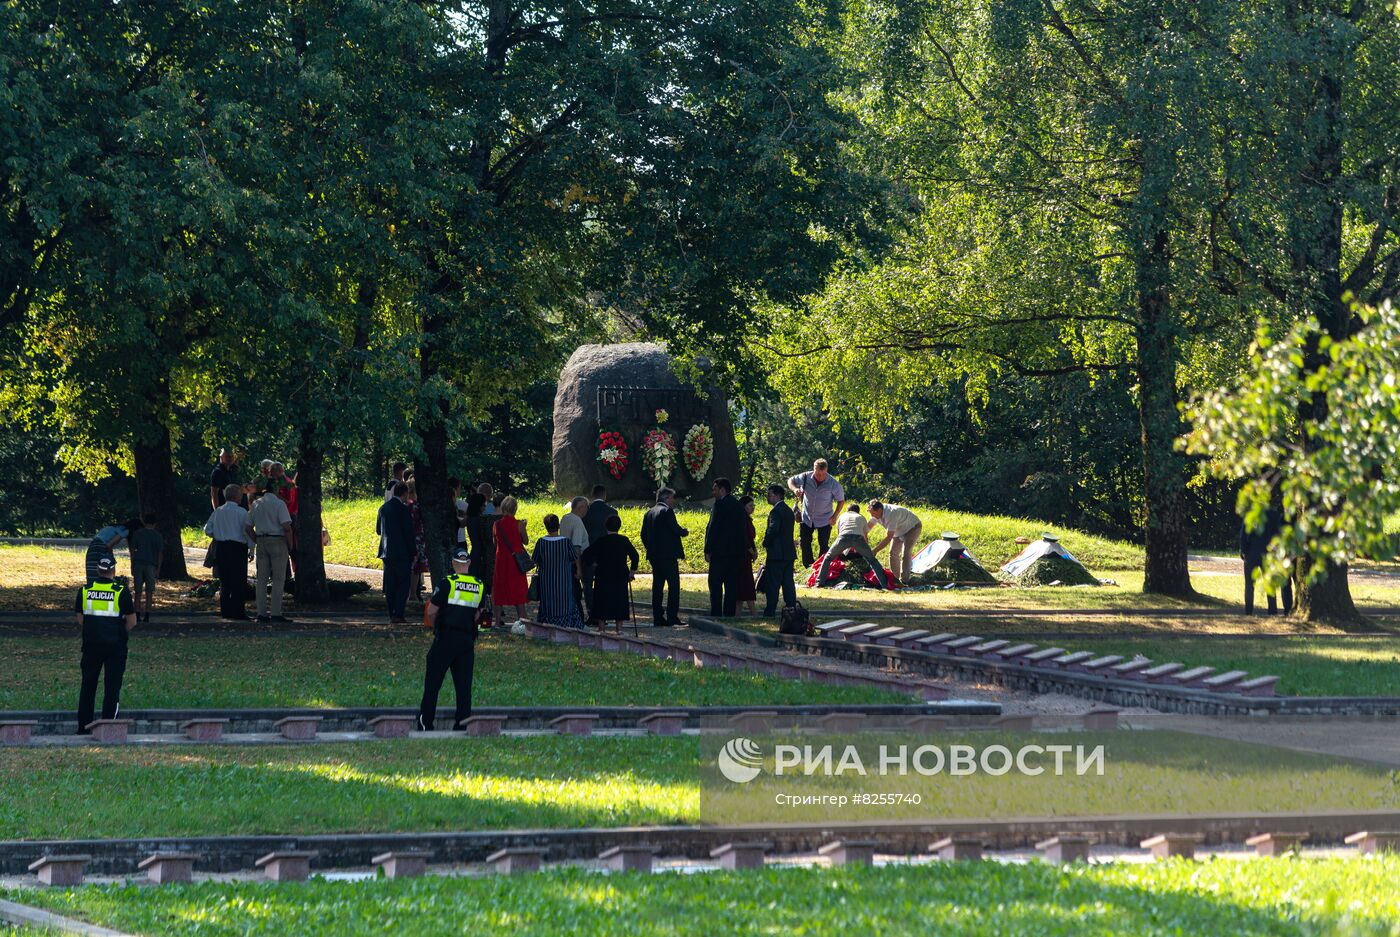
{"x": 109, "y": 731}
{"x": 287, "y": 865}
{"x": 393, "y": 727}
{"x": 1276, "y": 844}
{"x": 1172, "y": 845}
{"x": 1066, "y": 848}
{"x": 740, "y": 855}
{"x": 61, "y": 871}
{"x": 628, "y": 858}
{"x": 849, "y": 851}
{"x": 574, "y": 723}
{"x": 403, "y": 863}
{"x": 483, "y": 725}
{"x": 514, "y": 860}
{"x": 298, "y": 728}
{"x": 164, "y": 868}
{"x": 204, "y": 729}
{"x": 960, "y": 848}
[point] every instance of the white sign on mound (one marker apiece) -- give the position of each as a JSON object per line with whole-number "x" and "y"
{"x": 933, "y": 554}
{"x": 1045, "y": 546}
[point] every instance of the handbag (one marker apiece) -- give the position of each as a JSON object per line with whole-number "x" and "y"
{"x": 533, "y": 593}
{"x": 209, "y": 556}
{"x": 794, "y": 620}
{"x": 523, "y": 562}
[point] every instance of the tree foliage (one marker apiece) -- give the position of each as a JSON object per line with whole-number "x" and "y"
{"x": 1335, "y": 480}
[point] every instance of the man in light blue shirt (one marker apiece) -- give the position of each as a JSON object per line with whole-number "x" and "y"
{"x": 821, "y": 498}
{"x": 232, "y": 534}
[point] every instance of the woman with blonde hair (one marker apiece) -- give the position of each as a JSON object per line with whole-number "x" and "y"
{"x": 510, "y": 589}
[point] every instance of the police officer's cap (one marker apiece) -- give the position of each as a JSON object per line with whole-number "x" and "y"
{"x": 106, "y": 563}
{"x": 461, "y": 555}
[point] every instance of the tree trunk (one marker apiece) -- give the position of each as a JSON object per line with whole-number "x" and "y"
{"x": 311, "y": 553}
{"x": 1165, "y": 571}
{"x": 435, "y": 497}
{"x": 156, "y": 494}
{"x": 1327, "y": 600}
{"x": 1317, "y": 271}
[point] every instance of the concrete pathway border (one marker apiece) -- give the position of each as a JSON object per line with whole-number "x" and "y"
{"x": 22, "y": 915}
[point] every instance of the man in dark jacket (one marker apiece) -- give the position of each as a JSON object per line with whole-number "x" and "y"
{"x": 595, "y": 521}
{"x": 1253, "y": 545}
{"x": 663, "y": 542}
{"x": 726, "y": 548}
{"x": 779, "y": 553}
{"x": 397, "y": 549}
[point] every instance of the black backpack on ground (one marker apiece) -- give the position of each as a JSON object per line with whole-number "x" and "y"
{"x": 793, "y": 619}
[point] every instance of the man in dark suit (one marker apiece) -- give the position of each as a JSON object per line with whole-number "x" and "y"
{"x": 397, "y": 549}
{"x": 662, "y": 539}
{"x": 779, "y": 552}
{"x": 726, "y": 548}
{"x": 595, "y": 521}
{"x": 1254, "y": 544}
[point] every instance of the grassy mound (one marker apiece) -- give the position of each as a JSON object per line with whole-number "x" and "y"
{"x": 990, "y": 537}
{"x": 1050, "y": 569}
{"x": 952, "y": 569}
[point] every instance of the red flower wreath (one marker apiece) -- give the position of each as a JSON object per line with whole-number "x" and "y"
{"x": 612, "y": 452}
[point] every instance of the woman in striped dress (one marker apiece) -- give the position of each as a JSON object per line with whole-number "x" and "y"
{"x": 557, "y": 566}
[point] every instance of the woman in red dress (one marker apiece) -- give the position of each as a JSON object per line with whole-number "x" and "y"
{"x": 747, "y": 592}
{"x": 509, "y": 589}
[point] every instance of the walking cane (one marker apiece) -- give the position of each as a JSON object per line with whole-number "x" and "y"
{"x": 632, "y": 608}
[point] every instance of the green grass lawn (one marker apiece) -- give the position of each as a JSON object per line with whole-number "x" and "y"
{"x": 991, "y": 538}
{"x": 557, "y": 781}
{"x": 1277, "y": 898}
{"x": 386, "y": 670}
{"x": 453, "y": 784}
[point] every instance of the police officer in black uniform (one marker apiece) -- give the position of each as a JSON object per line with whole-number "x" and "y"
{"x": 452, "y": 613}
{"x": 107, "y": 614}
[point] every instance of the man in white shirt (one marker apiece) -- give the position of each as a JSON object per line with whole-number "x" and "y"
{"x": 571, "y": 525}
{"x": 902, "y": 532}
{"x": 232, "y": 535}
{"x": 850, "y": 535}
{"x": 272, "y": 529}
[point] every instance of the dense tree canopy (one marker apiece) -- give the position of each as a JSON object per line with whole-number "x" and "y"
{"x": 976, "y": 251}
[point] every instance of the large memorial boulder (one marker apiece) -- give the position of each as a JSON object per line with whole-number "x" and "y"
{"x": 619, "y": 388}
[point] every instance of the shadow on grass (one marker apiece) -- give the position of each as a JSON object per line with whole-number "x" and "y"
{"x": 387, "y": 670}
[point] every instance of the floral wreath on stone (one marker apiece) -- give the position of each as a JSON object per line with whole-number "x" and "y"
{"x": 698, "y": 450}
{"x": 612, "y": 452}
{"x": 659, "y": 455}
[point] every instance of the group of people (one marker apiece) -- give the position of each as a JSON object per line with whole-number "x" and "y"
{"x": 255, "y": 518}
{"x": 731, "y": 540}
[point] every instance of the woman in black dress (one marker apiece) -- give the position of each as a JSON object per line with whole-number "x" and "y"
{"x": 614, "y": 560}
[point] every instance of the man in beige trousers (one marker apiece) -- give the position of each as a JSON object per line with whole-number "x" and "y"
{"x": 902, "y": 532}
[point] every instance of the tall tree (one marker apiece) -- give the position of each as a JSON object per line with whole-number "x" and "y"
{"x": 1324, "y": 80}
{"x": 1060, "y": 159}
{"x": 662, "y": 158}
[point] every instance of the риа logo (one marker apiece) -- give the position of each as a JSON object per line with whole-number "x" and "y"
{"x": 740, "y": 760}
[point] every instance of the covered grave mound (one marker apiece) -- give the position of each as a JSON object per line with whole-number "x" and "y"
{"x": 1045, "y": 562}
{"x": 847, "y": 572}
{"x": 946, "y": 560}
